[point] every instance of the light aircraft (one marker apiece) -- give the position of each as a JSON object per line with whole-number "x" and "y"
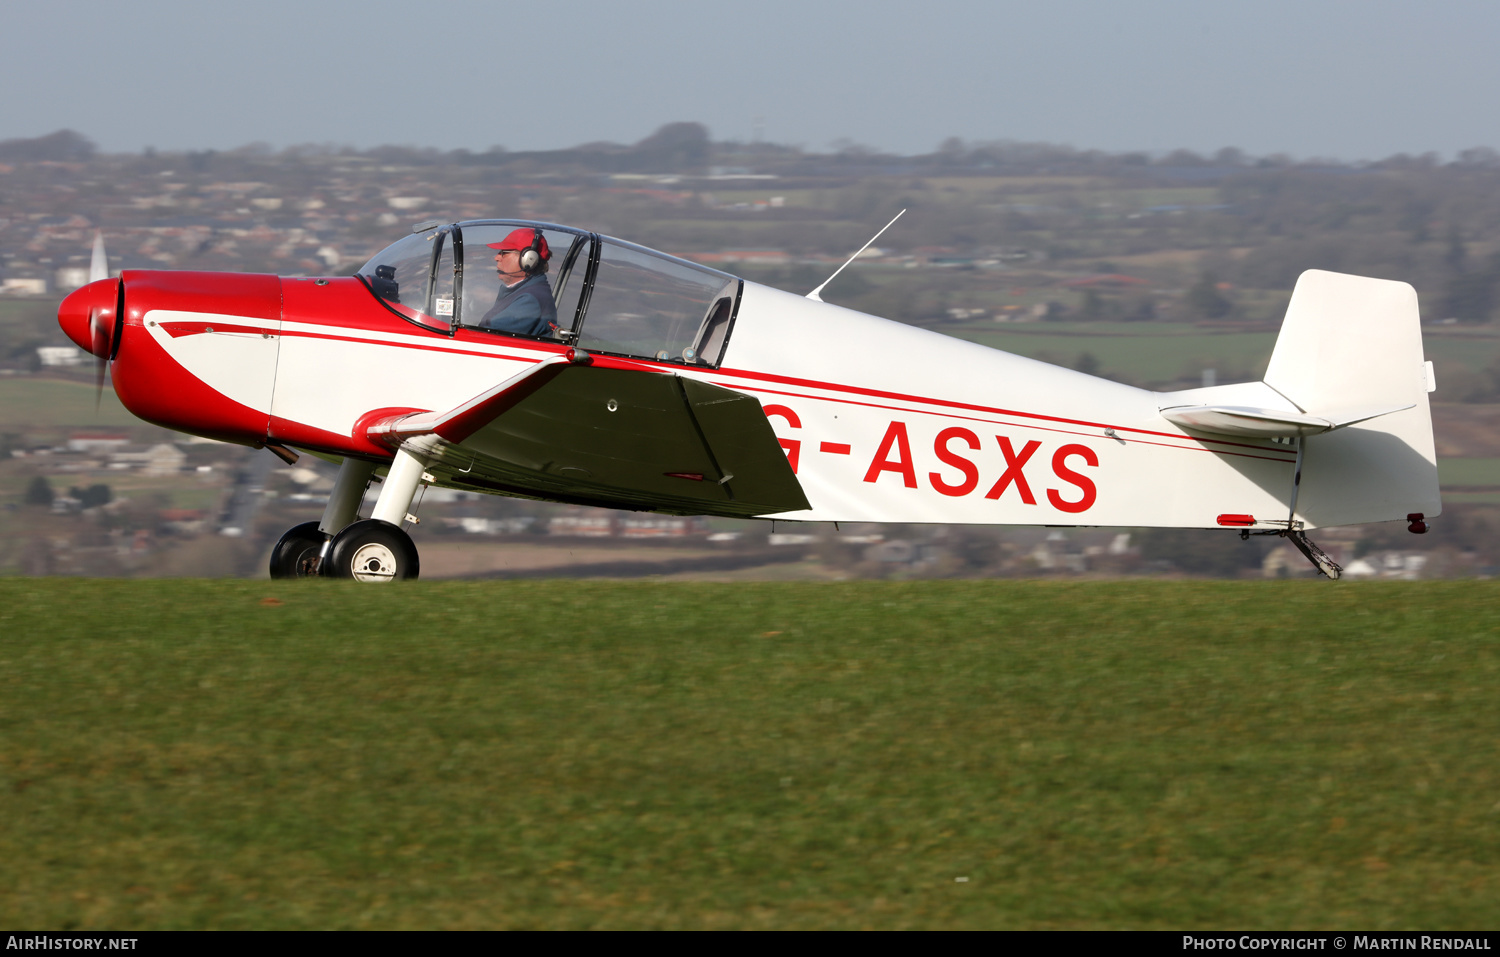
{"x": 667, "y": 386}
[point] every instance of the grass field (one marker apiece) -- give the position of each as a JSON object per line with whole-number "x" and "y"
{"x": 36, "y": 402}
{"x": 1162, "y": 354}
{"x": 594, "y": 754}
{"x": 1469, "y": 472}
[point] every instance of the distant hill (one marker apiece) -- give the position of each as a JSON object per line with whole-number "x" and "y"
{"x": 64, "y": 146}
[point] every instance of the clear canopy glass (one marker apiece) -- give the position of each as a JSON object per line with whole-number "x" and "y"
{"x": 402, "y": 276}
{"x": 605, "y": 295}
{"x": 653, "y": 306}
{"x": 553, "y": 286}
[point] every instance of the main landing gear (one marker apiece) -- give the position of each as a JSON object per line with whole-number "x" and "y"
{"x": 372, "y": 551}
{"x": 376, "y": 549}
{"x": 298, "y": 553}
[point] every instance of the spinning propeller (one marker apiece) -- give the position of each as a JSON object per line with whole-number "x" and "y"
{"x": 100, "y": 333}
{"x": 92, "y": 315}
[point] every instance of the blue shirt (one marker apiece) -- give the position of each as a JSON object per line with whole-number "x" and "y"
{"x": 525, "y": 309}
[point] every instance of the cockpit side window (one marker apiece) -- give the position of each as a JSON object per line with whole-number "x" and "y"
{"x": 572, "y": 283}
{"x": 603, "y": 294}
{"x": 541, "y": 303}
{"x": 414, "y": 278}
{"x": 650, "y": 306}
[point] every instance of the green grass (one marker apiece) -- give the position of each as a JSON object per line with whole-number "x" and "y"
{"x": 1157, "y": 352}
{"x": 1127, "y": 200}
{"x": 571, "y": 754}
{"x": 1470, "y": 472}
{"x": 28, "y": 403}
{"x": 1156, "y": 356}
{"x": 1473, "y": 353}
{"x": 1471, "y": 498}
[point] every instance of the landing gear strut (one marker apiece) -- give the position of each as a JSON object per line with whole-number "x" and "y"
{"x": 1320, "y": 559}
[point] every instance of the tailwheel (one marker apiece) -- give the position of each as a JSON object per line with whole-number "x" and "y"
{"x": 372, "y": 551}
{"x": 297, "y": 554}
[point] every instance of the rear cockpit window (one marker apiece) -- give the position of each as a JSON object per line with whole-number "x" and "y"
{"x": 650, "y": 306}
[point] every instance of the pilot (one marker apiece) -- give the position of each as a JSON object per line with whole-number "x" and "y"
{"x": 524, "y": 306}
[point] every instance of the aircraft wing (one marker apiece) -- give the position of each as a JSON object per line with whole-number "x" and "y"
{"x": 605, "y": 435}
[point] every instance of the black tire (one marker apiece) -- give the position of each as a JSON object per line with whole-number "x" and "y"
{"x": 372, "y": 551}
{"x": 296, "y": 555}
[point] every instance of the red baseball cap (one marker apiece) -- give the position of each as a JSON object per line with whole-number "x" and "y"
{"x": 521, "y": 239}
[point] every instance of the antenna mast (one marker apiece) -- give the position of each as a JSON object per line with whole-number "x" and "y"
{"x": 814, "y": 294}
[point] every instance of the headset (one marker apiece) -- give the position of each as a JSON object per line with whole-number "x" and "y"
{"x": 531, "y": 258}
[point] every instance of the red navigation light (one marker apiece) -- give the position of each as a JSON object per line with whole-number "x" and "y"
{"x": 1416, "y": 526}
{"x": 1236, "y": 521}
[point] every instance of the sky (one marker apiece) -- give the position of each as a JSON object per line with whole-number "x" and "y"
{"x": 1311, "y": 79}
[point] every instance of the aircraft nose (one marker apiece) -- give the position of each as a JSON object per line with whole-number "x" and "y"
{"x": 87, "y": 316}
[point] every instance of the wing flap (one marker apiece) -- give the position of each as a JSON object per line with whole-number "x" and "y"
{"x": 744, "y": 444}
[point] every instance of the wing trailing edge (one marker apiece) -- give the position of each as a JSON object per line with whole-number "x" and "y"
{"x": 604, "y": 435}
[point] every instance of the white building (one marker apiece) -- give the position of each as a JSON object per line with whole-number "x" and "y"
{"x": 72, "y": 277}
{"x": 59, "y": 355}
{"x": 23, "y": 287}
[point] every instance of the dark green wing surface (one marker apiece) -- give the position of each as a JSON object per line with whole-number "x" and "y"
{"x": 631, "y": 439}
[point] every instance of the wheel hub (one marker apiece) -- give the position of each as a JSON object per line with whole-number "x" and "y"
{"x": 374, "y": 562}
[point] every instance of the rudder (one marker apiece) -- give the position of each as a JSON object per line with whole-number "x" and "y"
{"x": 1350, "y": 350}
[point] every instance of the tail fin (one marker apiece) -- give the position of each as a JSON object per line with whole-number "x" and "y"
{"x": 1349, "y": 342}
{"x": 1350, "y": 351}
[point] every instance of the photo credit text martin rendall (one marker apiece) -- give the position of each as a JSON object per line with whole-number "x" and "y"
{"x": 1398, "y": 941}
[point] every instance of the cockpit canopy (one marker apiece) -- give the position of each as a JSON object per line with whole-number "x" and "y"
{"x": 610, "y": 296}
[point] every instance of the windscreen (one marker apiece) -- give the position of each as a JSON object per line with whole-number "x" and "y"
{"x": 402, "y": 275}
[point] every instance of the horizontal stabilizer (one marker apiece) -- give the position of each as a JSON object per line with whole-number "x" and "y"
{"x": 1267, "y": 423}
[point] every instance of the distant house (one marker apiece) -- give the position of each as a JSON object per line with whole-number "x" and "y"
{"x": 184, "y": 521}
{"x": 162, "y": 459}
{"x": 97, "y": 441}
{"x": 661, "y": 527}
{"x": 588, "y": 525}
{"x": 1403, "y": 566}
{"x": 71, "y": 277}
{"x": 764, "y": 256}
{"x": 59, "y": 355}
{"x": 18, "y": 286}
{"x": 1111, "y": 280}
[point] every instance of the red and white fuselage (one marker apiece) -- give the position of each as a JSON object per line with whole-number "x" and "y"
{"x": 880, "y": 421}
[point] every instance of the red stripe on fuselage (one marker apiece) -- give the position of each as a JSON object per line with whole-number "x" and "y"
{"x": 646, "y": 366}
{"x": 193, "y": 328}
{"x": 346, "y": 304}
{"x": 902, "y": 397}
{"x": 1017, "y": 425}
